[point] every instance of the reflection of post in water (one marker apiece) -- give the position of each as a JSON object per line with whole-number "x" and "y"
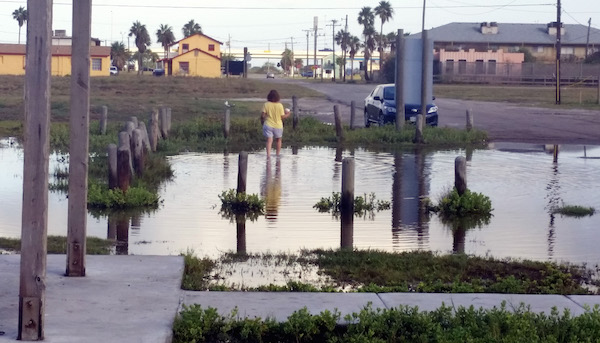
{"x": 337, "y": 166}
{"x": 226, "y": 166}
{"x": 271, "y": 189}
{"x": 240, "y": 222}
{"x": 294, "y": 150}
{"x": 347, "y": 204}
{"x": 397, "y": 192}
{"x": 469, "y": 153}
{"x": 554, "y": 200}
{"x": 458, "y": 239}
{"x": 122, "y": 235}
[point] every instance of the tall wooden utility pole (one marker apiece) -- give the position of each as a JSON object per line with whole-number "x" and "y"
{"x": 79, "y": 137}
{"x": 34, "y": 224}
{"x": 558, "y": 48}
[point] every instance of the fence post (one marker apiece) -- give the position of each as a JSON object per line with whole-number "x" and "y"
{"x": 103, "y": 120}
{"x": 469, "y": 120}
{"x": 227, "y": 123}
{"x": 154, "y": 131}
{"x": 145, "y": 137}
{"x": 112, "y": 166}
{"x": 347, "y": 203}
{"x": 295, "y": 111}
{"x": 352, "y": 114}
{"x": 242, "y": 172}
{"x": 135, "y": 121}
{"x": 339, "y": 130}
{"x": 460, "y": 174}
{"x": 123, "y": 167}
{"x": 138, "y": 152}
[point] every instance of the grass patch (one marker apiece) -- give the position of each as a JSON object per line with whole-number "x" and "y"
{"x": 241, "y": 204}
{"x": 363, "y": 205}
{"x": 402, "y": 324}
{"x": 426, "y": 272}
{"x": 100, "y": 197}
{"x": 58, "y": 245}
{"x": 574, "y": 211}
{"x": 196, "y": 271}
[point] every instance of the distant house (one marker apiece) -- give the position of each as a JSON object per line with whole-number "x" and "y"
{"x": 539, "y": 39}
{"x": 197, "y": 55}
{"x": 12, "y": 60}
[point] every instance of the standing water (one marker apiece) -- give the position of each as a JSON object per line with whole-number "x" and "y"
{"x": 522, "y": 181}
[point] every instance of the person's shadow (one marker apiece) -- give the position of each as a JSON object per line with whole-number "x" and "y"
{"x": 271, "y": 189}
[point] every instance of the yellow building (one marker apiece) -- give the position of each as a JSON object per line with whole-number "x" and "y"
{"x": 12, "y": 60}
{"x": 197, "y": 55}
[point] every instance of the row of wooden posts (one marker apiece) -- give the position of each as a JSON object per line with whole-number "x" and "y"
{"x": 135, "y": 141}
{"x": 339, "y": 127}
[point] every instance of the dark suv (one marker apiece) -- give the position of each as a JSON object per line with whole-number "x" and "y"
{"x": 380, "y": 108}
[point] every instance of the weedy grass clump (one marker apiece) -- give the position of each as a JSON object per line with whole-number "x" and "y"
{"x": 241, "y": 204}
{"x": 101, "y": 197}
{"x": 58, "y": 245}
{"x": 362, "y": 204}
{"x": 574, "y": 211}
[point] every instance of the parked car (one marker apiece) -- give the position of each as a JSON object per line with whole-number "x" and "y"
{"x": 114, "y": 70}
{"x": 380, "y": 108}
{"x": 307, "y": 73}
{"x": 270, "y": 75}
{"x": 158, "y": 72}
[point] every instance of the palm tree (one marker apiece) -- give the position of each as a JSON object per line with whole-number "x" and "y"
{"x": 191, "y": 28}
{"x": 353, "y": 46}
{"x": 286, "y": 60}
{"x": 142, "y": 41}
{"x": 119, "y": 55}
{"x": 342, "y": 38}
{"x": 366, "y": 18}
{"x": 385, "y": 12}
{"x": 21, "y": 16}
{"x": 165, "y": 36}
{"x": 369, "y": 46}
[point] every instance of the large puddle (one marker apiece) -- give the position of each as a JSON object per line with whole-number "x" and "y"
{"x": 522, "y": 181}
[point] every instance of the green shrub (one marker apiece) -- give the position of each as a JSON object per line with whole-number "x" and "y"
{"x": 241, "y": 204}
{"x": 469, "y": 204}
{"x": 574, "y": 211}
{"x": 363, "y": 205}
{"x": 100, "y": 197}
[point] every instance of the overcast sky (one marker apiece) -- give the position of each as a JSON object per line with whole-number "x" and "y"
{"x": 262, "y": 25}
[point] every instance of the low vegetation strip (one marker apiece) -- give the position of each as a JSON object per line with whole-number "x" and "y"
{"x": 378, "y": 271}
{"x": 402, "y": 324}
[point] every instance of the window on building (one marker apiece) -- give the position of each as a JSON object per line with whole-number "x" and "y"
{"x": 462, "y": 66}
{"x": 96, "y": 64}
{"x": 492, "y": 67}
{"x": 479, "y": 68}
{"x": 185, "y": 48}
{"x": 539, "y": 49}
{"x": 567, "y": 50}
{"x": 449, "y": 66}
{"x": 211, "y": 47}
{"x": 184, "y": 67}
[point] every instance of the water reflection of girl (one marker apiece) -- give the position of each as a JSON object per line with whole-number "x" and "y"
{"x": 271, "y": 189}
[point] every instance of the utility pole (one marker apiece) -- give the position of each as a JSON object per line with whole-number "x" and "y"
{"x": 316, "y": 27}
{"x": 293, "y": 64}
{"x": 346, "y": 38}
{"x": 558, "y": 48}
{"x": 587, "y": 41}
{"x": 333, "y": 25}
{"x": 307, "y": 44}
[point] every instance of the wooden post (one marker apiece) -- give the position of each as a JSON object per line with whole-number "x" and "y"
{"x": 555, "y": 153}
{"x": 295, "y": 113}
{"x": 339, "y": 130}
{"x": 145, "y": 137}
{"x": 400, "y": 115}
{"x": 164, "y": 126}
{"x": 419, "y": 130}
{"x": 424, "y": 88}
{"x": 32, "y": 289}
{"x": 227, "y": 122}
{"x": 135, "y": 122}
{"x": 154, "y": 131}
{"x": 168, "y": 120}
{"x": 123, "y": 167}
{"x": 103, "y": 120}
{"x": 112, "y": 166}
{"x": 242, "y": 172}
{"x": 138, "y": 152}
{"x": 460, "y": 174}
{"x": 125, "y": 142}
{"x": 79, "y": 138}
{"x": 469, "y": 120}
{"x": 347, "y": 203}
{"x": 352, "y": 114}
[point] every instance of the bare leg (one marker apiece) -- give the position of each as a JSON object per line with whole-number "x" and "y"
{"x": 278, "y": 142}
{"x": 269, "y": 143}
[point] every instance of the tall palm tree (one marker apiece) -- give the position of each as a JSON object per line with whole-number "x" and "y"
{"x": 353, "y": 46}
{"x": 191, "y": 28}
{"x": 142, "y": 41}
{"x": 342, "y": 38}
{"x": 385, "y": 12}
{"x": 165, "y": 36}
{"x": 369, "y": 46}
{"x": 366, "y": 18}
{"x": 119, "y": 55}
{"x": 286, "y": 60}
{"x": 21, "y": 16}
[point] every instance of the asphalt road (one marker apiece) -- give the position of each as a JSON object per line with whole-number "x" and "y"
{"x": 504, "y": 122}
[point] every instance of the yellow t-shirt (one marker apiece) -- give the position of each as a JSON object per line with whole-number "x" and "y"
{"x": 274, "y": 111}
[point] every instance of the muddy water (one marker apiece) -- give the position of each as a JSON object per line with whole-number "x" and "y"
{"x": 522, "y": 181}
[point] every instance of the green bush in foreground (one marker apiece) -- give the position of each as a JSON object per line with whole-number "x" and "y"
{"x": 402, "y": 324}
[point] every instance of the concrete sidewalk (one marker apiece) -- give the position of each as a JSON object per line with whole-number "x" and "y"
{"x": 135, "y": 299}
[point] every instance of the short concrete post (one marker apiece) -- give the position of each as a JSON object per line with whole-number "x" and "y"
{"x": 352, "y": 114}
{"x": 154, "y": 130}
{"x": 469, "y": 120}
{"x": 164, "y": 125}
{"x": 103, "y": 120}
{"x": 138, "y": 152}
{"x": 112, "y": 166}
{"x": 242, "y": 172}
{"x": 125, "y": 142}
{"x": 227, "y": 122}
{"x": 460, "y": 174}
{"x": 123, "y": 168}
{"x": 168, "y": 120}
{"x": 347, "y": 203}
{"x": 419, "y": 130}
{"x": 295, "y": 113}
{"x": 145, "y": 137}
{"x": 135, "y": 122}
{"x": 339, "y": 130}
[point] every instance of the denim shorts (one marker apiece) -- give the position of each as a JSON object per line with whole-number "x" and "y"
{"x": 272, "y": 132}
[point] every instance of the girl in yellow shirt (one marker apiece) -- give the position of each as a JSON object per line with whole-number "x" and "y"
{"x": 272, "y": 118}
